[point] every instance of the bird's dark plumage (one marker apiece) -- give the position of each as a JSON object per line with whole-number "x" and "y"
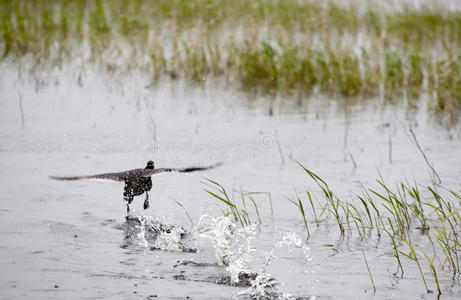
{"x": 137, "y": 181}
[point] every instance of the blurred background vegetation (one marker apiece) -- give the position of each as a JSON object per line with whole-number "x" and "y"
{"x": 287, "y": 47}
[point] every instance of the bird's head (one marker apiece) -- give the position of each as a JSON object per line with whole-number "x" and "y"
{"x": 150, "y": 165}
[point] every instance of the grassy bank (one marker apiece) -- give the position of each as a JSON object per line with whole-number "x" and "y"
{"x": 273, "y": 46}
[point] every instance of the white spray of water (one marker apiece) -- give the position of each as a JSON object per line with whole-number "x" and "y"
{"x": 153, "y": 234}
{"x": 292, "y": 240}
{"x": 232, "y": 244}
{"x": 264, "y": 286}
{"x": 141, "y": 235}
{"x": 170, "y": 240}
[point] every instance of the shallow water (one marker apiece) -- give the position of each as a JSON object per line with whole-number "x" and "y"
{"x": 71, "y": 239}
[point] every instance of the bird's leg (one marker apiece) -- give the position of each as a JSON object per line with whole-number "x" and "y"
{"x": 127, "y": 203}
{"x": 146, "y": 202}
{"x": 128, "y": 197}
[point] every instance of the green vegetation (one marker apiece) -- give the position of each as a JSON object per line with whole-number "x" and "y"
{"x": 299, "y": 204}
{"x": 239, "y": 212}
{"x": 185, "y": 210}
{"x": 400, "y": 212}
{"x": 273, "y": 46}
{"x": 415, "y": 218}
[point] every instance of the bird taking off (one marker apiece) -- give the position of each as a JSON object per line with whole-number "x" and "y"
{"x": 137, "y": 181}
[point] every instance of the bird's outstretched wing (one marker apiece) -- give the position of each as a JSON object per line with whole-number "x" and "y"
{"x": 107, "y": 176}
{"x": 147, "y": 172}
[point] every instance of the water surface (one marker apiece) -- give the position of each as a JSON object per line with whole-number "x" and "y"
{"x": 71, "y": 239}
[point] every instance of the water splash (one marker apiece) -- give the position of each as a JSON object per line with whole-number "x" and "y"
{"x": 292, "y": 240}
{"x": 266, "y": 287}
{"x": 142, "y": 234}
{"x": 147, "y": 232}
{"x": 233, "y": 249}
{"x": 171, "y": 240}
{"x": 232, "y": 245}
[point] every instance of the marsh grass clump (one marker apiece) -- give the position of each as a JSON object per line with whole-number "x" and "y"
{"x": 432, "y": 212}
{"x": 422, "y": 224}
{"x": 334, "y": 202}
{"x": 289, "y": 47}
{"x": 299, "y": 204}
{"x": 238, "y": 211}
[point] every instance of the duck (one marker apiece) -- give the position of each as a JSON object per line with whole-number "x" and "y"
{"x": 137, "y": 181}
